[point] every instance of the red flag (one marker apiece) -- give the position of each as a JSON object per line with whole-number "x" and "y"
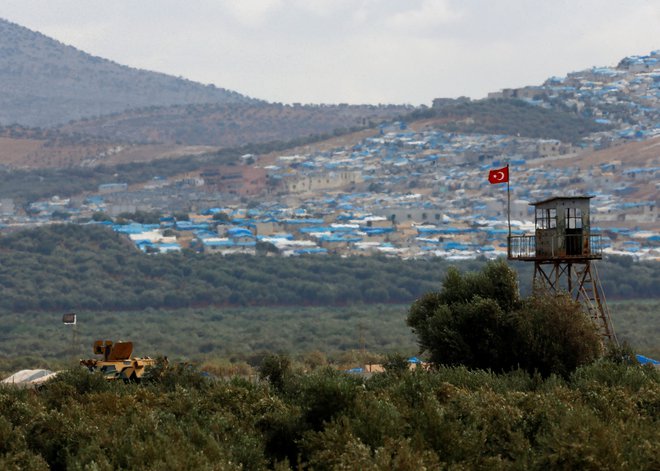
{"x": 499, "y": 175}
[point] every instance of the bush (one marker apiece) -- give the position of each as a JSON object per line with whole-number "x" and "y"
{"x": 170, "y": 377}
{"x": 275, "y": 369}
{"x": 478, "y": 320}
{"x": 396, "y": 363}
{"x": 553, "y": 335}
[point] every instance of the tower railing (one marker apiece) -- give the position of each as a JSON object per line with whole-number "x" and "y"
{"x": 524, "y": 247}
{"x": 596, "y": 244}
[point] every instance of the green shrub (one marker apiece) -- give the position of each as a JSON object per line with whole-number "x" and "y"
{"x": 324, "y": 395}
{"x": 478, "y": 320}
{"x": 169, "y": 377}
{"x": 275, "y": 369}
{"x": 554, "y": 336}
{"x": 396, "y": 363}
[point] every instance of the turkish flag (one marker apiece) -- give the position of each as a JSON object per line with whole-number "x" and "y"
{"x": 499, "y": 175}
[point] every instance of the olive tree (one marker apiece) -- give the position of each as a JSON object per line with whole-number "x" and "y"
{"x": 480, "y": 321}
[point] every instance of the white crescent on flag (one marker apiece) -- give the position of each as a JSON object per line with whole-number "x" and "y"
{"x": 499, "y": 175}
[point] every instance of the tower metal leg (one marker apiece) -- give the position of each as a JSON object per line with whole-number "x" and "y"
{"x": 582, "y": 284}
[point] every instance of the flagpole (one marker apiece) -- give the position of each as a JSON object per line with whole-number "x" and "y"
{"x": 508, "y": 210}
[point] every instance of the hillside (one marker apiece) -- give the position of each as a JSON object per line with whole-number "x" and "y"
{"x": 23, "y": 148}
{"x": 636, "y": 153}
{"x": 45, "y": 82}
{"x": 154, "y": 133}
{"x": 509, "y": 117}
{"x": 229, "y": 125}
{"x": 41, "y": 163}
{"x": 151, "y": 134}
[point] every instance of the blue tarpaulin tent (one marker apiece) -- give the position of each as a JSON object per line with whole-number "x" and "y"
{"x": 355, "y": 370}
{"x": 646, "y": 360}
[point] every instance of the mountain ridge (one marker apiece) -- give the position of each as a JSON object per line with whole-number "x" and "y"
{"x": 45, "y": 82}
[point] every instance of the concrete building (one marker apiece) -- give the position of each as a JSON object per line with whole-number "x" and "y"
{"x": 321, "y": 181}
{"x": 238, "y": 180}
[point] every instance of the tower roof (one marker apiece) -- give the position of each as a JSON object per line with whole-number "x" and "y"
{"x": 564, "y": 198}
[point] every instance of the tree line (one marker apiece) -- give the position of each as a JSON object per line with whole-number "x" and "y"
{"x": 66, "y": 266}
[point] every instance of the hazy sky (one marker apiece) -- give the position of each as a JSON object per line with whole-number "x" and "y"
{"x": 354, "y": 51}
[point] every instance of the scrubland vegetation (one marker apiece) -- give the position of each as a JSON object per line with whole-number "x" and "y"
{"x": 514, "y": 382}
{"x": 603, "y": 416}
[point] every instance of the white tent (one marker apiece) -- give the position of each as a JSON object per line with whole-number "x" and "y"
{"x": 29, "y": 377}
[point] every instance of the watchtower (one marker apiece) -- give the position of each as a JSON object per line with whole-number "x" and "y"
{"x": 562, "y": 249}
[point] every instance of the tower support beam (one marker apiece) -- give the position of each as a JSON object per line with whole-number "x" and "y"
{"x": 580, "y": 280}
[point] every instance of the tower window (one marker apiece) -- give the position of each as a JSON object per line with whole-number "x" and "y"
{"x": 573, "y": 218}
{"x": 546, "y": 218}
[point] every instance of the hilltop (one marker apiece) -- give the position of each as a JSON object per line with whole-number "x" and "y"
{"x": 45, "y": 82}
